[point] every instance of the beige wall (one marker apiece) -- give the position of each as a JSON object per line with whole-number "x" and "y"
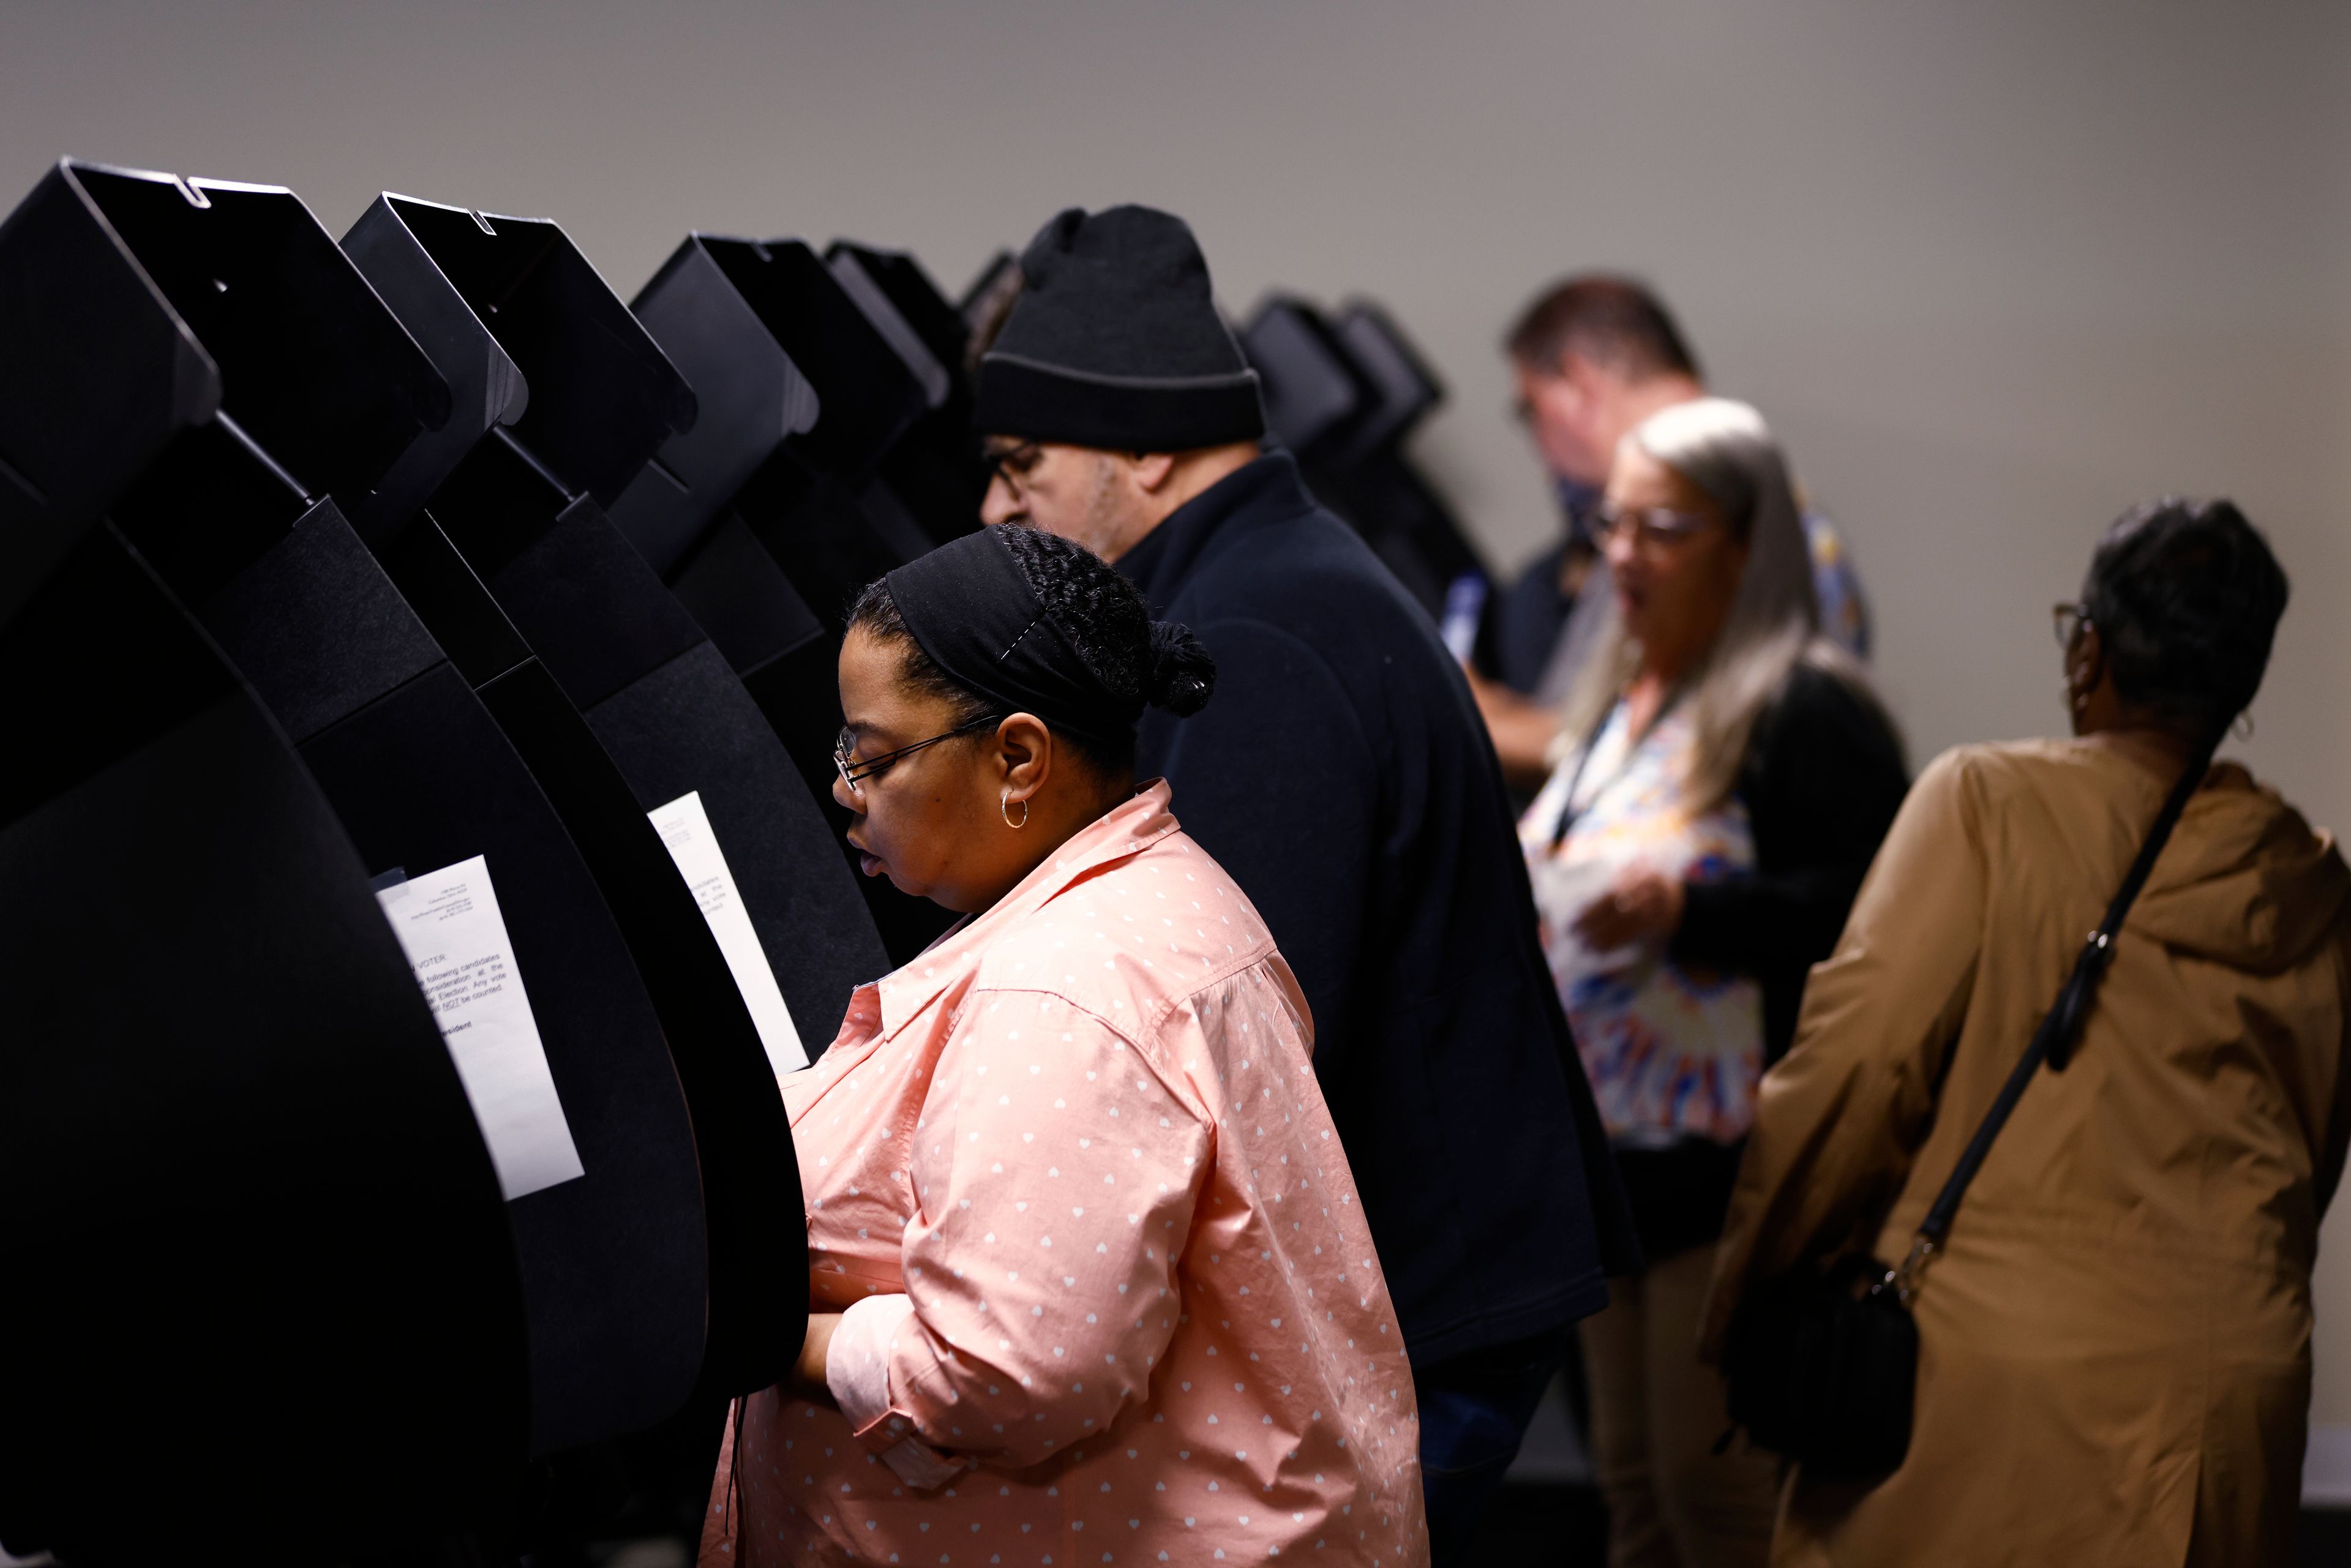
{"x": 1993, "y": 269}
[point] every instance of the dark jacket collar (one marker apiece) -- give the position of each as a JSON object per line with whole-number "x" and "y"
{"x": 1268, "y": 490}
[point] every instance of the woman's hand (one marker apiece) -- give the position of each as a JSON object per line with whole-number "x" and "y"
{"x": 806, "y": 1380}
{"x": 1642, "y": 906}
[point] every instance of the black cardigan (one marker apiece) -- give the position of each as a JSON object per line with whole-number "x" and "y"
{"x": 1340, "y": 774}
{"x": 1822, "y": 780}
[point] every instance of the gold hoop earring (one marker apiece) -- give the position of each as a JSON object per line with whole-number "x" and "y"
{"x": 1007, "y": 808}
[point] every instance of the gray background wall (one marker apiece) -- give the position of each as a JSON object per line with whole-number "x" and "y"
{"x": 1992, "y": 270}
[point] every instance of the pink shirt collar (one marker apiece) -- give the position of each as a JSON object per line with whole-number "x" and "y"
{"x": 1124, "y": 830}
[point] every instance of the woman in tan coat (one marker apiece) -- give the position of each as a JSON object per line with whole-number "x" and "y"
{"x": 2114, "y": 1342}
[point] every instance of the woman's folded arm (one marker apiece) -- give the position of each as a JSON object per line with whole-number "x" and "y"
{"x": 1056, "y": 1177}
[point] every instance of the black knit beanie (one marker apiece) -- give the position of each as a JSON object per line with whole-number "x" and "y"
{"x": 1115, "y": 342}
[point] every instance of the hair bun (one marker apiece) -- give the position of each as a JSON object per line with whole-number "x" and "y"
{"x": 1181, "y": 675}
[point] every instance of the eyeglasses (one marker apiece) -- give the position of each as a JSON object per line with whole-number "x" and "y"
{"x": 852, "y": 770}
{"x": 1013, "y": 465}
{"x": 2068, "y": 619}
{"x": 1648, "y": 527}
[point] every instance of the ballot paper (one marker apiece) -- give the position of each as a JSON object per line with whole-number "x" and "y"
{"x": 685, "y": 827}
{"x": 448, "y": 924}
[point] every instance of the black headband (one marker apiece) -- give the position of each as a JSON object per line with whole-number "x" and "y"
{"x": 968, "y": 605}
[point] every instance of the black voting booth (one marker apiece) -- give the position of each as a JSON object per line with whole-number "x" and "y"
{"x": 263, "y": 1298}
{"x": 495, "y": 529}
{"x": 834, "y": 447}
{"x": 1343, "y": 393}
{"x": 935, "y": 470}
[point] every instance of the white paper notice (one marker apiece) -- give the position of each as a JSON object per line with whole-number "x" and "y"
{"x": 685, "y": 827}
{"x": 448, "y": 923}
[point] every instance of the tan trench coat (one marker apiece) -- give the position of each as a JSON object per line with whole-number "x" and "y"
{"x": 2115, "y": 1349}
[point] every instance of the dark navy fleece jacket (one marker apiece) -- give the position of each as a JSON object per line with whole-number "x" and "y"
{"x": 1341, "y": 775}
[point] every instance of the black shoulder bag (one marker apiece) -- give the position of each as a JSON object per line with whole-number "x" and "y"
{"x": 1822, "y": 1367}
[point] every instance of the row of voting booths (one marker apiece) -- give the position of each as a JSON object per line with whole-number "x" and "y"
{"x": 417, "y": 857}
{"x": 415, "y": 844}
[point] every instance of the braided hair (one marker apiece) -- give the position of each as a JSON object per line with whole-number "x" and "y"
{"x": 1100, "y": 616}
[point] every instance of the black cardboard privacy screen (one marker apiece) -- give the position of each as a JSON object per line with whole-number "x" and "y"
{"x": 523, "y": 510}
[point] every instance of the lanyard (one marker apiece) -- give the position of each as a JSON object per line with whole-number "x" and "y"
{"x": 1567, "y": 809}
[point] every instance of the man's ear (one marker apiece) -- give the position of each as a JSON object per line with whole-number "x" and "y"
{"x": 1151, "y": 470}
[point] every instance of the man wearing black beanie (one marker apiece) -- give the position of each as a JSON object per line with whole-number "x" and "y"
{"x": 1345, "y": 778}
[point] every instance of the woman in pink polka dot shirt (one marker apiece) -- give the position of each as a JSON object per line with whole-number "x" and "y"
{"x": 1089, "y": 1276}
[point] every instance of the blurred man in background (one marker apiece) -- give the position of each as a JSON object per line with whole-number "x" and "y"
{"x": 1342, "y": 776}
{"x": 1595, "y": 356}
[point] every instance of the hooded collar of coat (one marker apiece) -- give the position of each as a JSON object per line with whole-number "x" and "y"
{"x": 1267, "y": 489}
{"x": 2245, "y": 880}
{"x": 1125, "y": 829}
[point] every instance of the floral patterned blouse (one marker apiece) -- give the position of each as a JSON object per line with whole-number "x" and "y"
{"x": 1109, "y": 1294}
{"x": 1671, "y": 1052}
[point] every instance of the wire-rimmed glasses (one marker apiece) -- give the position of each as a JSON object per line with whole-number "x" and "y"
{"x": 854, "y": 770}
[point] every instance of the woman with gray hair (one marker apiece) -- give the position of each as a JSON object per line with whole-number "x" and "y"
{"x": 1726, "y": 777}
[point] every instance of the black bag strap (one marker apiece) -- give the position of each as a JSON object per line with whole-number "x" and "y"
{"x": 2052, "y": 1042}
